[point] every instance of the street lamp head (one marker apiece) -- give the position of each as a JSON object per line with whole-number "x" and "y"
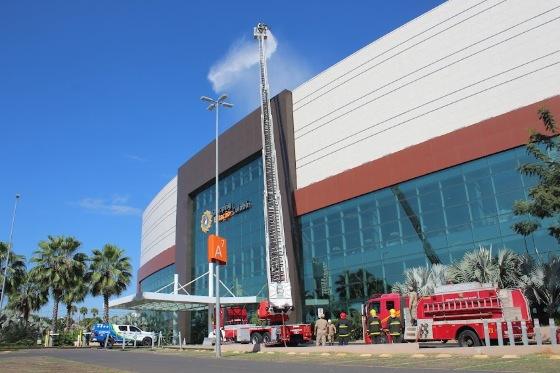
{"x": 222, "y": 98}
{"x": 227, "y": 104}
{"x": 17, "y": 196}
{"x": 211, "y": 107}
{"x": 207, "y": 99}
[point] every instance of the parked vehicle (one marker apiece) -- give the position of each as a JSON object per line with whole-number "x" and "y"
{"x": 456, "y": 312}
{"x": 274, "y": 331}
{"x": 115, "y": 334}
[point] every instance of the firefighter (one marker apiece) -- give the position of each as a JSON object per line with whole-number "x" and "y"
{"x": 395, "y": 327}
{"x": 374, "y": 326}
{"x": 344, "y": 328}
{"x": 331, "y": 331}
{"x": 321, "y": 331}
{"x": 412, "y": 304}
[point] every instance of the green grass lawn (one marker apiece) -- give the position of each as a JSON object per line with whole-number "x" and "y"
{"x": 524, "y": 364}
{"x": 48, "y": 364}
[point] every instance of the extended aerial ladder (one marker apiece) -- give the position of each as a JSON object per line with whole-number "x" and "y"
{"x": 279, "y": 288}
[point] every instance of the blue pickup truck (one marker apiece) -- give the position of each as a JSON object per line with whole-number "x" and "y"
{"x": 115, "y": 334}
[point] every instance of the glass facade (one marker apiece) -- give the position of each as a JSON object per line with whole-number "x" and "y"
{"x": 158, "y": 320}
{"x": 241, "y": 204}
{"x": 159, "y": 279}
{"x": 362, "y": 246}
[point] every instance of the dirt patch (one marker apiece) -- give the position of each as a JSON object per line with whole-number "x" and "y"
{"x": 33, "y": 364}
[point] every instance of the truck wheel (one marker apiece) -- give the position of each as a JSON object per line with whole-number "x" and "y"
{"x": 266, "y": 338}
{"x": 110, "y": 342}
{"x": 256, "y": 338}
{"x": 468, "y": 338}
{"x": 147, "y": 341}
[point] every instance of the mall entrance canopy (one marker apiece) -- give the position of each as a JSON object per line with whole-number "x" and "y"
{"x": 178, "y": 300}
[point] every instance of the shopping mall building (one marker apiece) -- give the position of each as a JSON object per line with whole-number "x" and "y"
{"x": 403, "y": 154}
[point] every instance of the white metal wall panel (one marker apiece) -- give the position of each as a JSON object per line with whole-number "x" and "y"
{"x": 158, "y": 223}
{"x": 461, "y": 63}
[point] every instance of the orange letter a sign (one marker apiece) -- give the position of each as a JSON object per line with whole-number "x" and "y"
{"x": 217, "y": 249}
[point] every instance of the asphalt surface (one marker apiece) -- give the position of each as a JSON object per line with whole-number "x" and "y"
{"x": 151, "y": 362}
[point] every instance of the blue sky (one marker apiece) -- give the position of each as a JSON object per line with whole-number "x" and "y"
{"x": 99, "y": 100}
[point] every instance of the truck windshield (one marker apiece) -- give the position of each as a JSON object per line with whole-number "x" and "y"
{"x": 374, "y": 306}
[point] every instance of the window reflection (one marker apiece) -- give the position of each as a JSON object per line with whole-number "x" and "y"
{"x": 362, "y": 246}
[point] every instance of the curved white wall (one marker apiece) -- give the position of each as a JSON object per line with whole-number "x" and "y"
{"x": 461, "y": 63}
{"x": 158, "y": 223}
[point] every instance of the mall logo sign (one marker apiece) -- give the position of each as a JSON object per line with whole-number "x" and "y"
{"x": 226, "y": 212}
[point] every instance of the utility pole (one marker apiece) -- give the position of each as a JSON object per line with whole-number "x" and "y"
{"x": 10, "y": 244}
{"x": 212, "y": 267}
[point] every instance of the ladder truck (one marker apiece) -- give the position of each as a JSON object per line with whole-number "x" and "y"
{"x": 456, "y": 312}
{"x": 276, "y": 309}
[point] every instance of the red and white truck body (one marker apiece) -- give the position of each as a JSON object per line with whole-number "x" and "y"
{"x": 237, "y": 329}
{"x": 457, "y": 312}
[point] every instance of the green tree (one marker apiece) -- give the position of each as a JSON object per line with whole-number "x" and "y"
{"x": 75, "y": 292}
{"x": 544, "y": 197}
{"x": 503, "y": 270}
{"x": 16, "y": 269}
{"x": 543, "y": 285}
{"x": 94, "y": 312}
{"x": 422, "y": 280}
{"x": 29, "y": 296}
{"x": 109, "y": 274}
{"x": 56, "y": 261}
{"x": 83, "y": 311}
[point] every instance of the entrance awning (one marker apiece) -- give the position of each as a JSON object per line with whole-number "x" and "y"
{"x": 173, "y": 302}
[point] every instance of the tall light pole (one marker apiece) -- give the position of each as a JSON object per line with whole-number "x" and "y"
{"x": 10, "y": 244}
{"x": 215, "y": 105}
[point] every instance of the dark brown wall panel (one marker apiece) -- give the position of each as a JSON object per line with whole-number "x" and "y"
{"x": 237, "y": 144}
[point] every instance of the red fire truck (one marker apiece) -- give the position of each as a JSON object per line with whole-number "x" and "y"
{"x": 456, "y": 312}
{"x": 275, "y": 331}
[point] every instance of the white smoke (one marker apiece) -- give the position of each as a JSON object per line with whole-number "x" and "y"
{"x": 237, "y": 72}
{"x": 242, "y": 55}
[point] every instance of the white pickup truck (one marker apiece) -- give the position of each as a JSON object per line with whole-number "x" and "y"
{"x": 133, "y": 333}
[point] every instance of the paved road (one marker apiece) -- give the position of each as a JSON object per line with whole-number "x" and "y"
{"x": 151, "y": 362}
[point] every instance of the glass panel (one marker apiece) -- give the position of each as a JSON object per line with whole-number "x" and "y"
{"x": 351, "y": 221}
{"x": 445, "y": 214}
{"x": 241, "y": 198}
{"x": 457, "y": 215}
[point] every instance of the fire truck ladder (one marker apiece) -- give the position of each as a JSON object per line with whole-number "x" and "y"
{"x": 454, "y": 309}
{"x": 279, "y": 288}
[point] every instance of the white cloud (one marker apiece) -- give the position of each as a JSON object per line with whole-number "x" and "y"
{"x": 237, "y": 73}
{"x": 117, "y": 205}
{"x": 134, "y": 157}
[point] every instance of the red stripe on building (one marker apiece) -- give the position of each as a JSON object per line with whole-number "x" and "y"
{"x": 488, "y": 137}
{"x": 162, "y": 260}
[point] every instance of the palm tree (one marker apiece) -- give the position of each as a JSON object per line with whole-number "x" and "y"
{"x": 477, "y": 265}
{"x": 508, "y": 269}
{"x": 75, "y": 292}
{"x": 422, "y": 280}
{"x": 83, "y": 312}
{"x": 504, "y": 270}
{"x": 94, "y": 312}
{"x": 56, "y": 263}
{"x": 543, "y": 285}
{"x": 29, "y": 296}
{"x": 109, "y": 274}
{"x": 16, "y": 269}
